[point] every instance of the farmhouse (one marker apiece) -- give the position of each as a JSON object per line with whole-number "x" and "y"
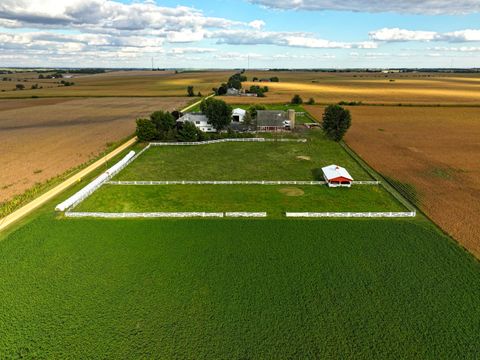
{"x": 337, "y": 176}
{"x": 238, "y": 115}
{"x": 199, "y": 120}
{"x": 233, "y": 92}
{"x": 275, "y": 120}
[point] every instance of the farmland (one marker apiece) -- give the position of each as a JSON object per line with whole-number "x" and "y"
{"x": 119, "y": 84}
{"x": 432, "y": 153}
{"x": 42, "y": 138}
{"x": 198, "y": 289}
{"x": 374, "y": 88}
{"x": 242, "y": 161}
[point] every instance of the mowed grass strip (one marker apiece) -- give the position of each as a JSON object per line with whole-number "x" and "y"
{"x": 242, "y": 161}
{"x": 274, "y": 199}
{"x": 236, "y": 289}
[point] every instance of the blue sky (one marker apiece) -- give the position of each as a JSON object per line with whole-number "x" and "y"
{"x": 227, "y": 33}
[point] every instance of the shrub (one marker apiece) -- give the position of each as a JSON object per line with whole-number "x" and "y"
{"x": 311, "y": 101}
{"x": 190, "y": 91}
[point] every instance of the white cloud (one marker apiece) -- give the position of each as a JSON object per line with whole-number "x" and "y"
{"x": 396, "y": 34}
{"x": 292, "y": 39}
{"x": 257, "y": 24}
{"x": 431, "y": 7}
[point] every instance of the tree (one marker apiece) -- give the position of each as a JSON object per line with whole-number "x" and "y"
{"x": 311, "y": 101}
{"x": 234, "y": 83}
{"x": 274, "y": 79}
{"x": 247, "y": 119}
{"x": 19, "y": 86}
{"x": 336, "y": 122}
{"x": 297, "y": 100}
{"x": 190, "y": 91}
{"x": 176, "y": 114}
{"x": 222, "y": 90}
{"x": 164, "y": 122}
{"x": 219, "y": 114}
{"x": 254, "y": 108}
{"x": 188, "y": 132}
{"x": 255, "y": 79}
{"x": 146, "y": 130}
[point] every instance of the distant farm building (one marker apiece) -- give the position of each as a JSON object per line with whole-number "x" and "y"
{"x": 337, "y": 176}
{"x": 275, "y": 120}
{"x": 199, "y": 120}
{"x": 238, "y": 115}
{"x": 233, "y": 92}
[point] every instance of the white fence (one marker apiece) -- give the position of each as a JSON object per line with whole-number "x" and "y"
{"x": 228, "y": 182}
{"x": 165, "y": 215}
{"x": 225, "y": 141}
{"x": 213, "y": 182}
{"x": 95, "y": 184}
{"x": 351, "y": 214}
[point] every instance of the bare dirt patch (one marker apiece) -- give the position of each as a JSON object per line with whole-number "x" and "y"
{"x": 436, "y": 151}
{"x": 291, "y": 191}
{"x": 45, "y": 138}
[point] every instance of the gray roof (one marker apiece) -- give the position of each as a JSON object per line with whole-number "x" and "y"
{"x": 192, "y": 117}
{"x": 271, "y": 117}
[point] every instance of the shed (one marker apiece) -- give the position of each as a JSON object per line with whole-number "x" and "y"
{"x": 337, "y": 176}
{"x": 238, "y": 115}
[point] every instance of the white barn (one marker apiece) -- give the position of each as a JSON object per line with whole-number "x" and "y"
{"x": 199, "y": 120}
{"x": 337, "y": 176}
{"x": 238, "y": 115}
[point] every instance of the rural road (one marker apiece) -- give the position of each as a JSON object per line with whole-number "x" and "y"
{"x": 28, "y": 208}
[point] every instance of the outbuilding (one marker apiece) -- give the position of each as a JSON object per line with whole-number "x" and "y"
{"x": 337, "y": 176}
{"x": 238, "y": 115}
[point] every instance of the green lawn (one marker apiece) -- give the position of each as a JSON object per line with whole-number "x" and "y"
{"x": 236, "y": 289}
{"x": 243, "y": 161}
{"x": 273, "y": 199}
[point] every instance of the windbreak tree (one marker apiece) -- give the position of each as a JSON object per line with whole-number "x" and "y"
{"x": 188, "y": 132}
{"x": 164, "y": 123}
{"x": 190, "y": 91}
{"x": 336, "y": 122}
{"x": 218, "y": 112}
{"x": 146, "y": 130}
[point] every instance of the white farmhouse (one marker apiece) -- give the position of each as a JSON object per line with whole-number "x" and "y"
{"x": 199, "y": 120}
{"x": 337, "y": 176}
{"x": 238, "y": 115}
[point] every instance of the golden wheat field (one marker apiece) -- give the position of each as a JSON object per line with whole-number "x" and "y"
{"x": 42, "y": 138}
{"x": 434, "y": 153}
{"x": 118, "y": 84}
{"x": 375, "y": 88}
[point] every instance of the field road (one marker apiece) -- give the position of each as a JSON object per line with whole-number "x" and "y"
{"x": 28, "y": 208}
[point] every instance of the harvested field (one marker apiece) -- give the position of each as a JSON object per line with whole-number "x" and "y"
{"x": 411, "y": 88}
{"x": 122, "y": 83}
{"x": 433, "y": 154}
{"x": 42, "y": 138}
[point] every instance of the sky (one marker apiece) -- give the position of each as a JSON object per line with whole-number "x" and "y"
{"x": 240, "y": 33}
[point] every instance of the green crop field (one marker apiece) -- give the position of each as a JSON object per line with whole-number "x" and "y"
{"x": 273, "y": 199}
{"x": 235, "y": 289}
{"x": 243, "y": 161}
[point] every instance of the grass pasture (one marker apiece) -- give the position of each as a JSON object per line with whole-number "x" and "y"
{"x": 273, "y": 199}
{"x": 242, "y": 161}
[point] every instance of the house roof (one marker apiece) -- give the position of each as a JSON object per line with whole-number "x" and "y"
{"x": 271, "y": 117}
{"x": 239, "y": 111}
{"x": 334, "y": 171}
{"x": 192, "y": 117}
